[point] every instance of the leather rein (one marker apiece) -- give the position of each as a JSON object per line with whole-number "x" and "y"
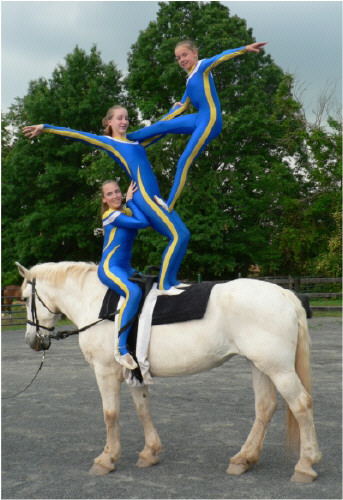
{"x": 44, "y": 341}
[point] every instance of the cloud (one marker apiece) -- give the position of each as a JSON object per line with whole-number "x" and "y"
{"x": 304, "y": 37}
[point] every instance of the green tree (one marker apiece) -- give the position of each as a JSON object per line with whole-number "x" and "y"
{"x": 238, "y": 188}
{"x": 311, "y": 236}
{"x": 48, "y": 206}
{"x": 266, "y": 191}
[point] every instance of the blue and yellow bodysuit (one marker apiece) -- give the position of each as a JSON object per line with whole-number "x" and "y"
{"x": 120, "y": 230}
{"x": 203, "y": 126}
{"x": 132, "y": 158}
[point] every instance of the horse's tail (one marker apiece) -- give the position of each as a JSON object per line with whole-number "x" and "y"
{"x": 302, "y": 367}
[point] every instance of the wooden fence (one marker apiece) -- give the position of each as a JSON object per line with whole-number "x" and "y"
{"x": 313, "y": 287}
{"x": 13, "y": 312}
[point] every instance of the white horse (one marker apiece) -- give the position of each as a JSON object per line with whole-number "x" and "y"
{"x": 261, "y": 321}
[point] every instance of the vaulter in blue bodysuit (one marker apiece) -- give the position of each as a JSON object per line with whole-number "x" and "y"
{"x": 204, "y": 126}
{"x": 132, "y": 158}
{"x": 120, "y": 230}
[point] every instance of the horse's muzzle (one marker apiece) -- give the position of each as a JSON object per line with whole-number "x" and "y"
{"x": 37, "y": 341}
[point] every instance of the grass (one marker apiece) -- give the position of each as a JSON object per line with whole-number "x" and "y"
{"x": 325, "y": 314}
{"x": 329, "y": 303}
{"x": 326, "y": 302}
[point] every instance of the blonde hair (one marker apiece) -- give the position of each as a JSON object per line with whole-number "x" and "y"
{"x": 188, "y": 43}
{"x": 104, "y": 206}
{"x": 109, "y": 115}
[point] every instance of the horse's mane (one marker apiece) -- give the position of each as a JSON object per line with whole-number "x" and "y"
{"x": 57, "y": 272}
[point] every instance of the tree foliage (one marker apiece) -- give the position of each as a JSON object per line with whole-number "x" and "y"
{"x": 311, "y": 236}
{"x": 266, "y": 191}
{"x": 237, "y": 190}
{"x": 47, "y": 211}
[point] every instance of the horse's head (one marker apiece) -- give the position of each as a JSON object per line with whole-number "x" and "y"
{"x": 41, "y": 313}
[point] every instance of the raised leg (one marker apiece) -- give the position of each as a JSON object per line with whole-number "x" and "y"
{"x": 109, "y": 381}
{"x": 265, "y": 406}
{"x": 300, "y": 403}
{"x": 149, "y": 455}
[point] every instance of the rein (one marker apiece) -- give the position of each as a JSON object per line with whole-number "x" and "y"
{"x": 44, "y": 341}
{"x": 23, "y": 390}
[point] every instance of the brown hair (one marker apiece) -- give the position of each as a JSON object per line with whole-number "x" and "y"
{"x": 104, "y": 206}
{"x": 189, "y": 44}
{"x": 109, "y": 115}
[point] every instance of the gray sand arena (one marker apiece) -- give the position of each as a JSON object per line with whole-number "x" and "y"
{"x": 52, "y": 432}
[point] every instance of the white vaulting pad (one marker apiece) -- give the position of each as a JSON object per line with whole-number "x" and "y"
{"x": 143, "y": 338}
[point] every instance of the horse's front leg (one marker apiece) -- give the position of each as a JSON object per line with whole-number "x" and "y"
{"x": 149, "y": 455}
{"x": 109, "y": 380}
{"x": 265, "y": 406}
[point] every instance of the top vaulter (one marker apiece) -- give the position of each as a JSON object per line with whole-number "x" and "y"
{"x": 132, "y": 158}
{"x": 206, "y": 124}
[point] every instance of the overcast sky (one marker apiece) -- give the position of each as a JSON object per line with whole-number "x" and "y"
{"x": 305, "y": 38}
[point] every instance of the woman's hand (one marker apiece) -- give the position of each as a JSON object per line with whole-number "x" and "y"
{"x": 161, "y": 202}
{"x": 255, "y": 47}
{"x": 130, "y": 192}
{"x": 177, "y": 104}
{"x": 33, "y": 130}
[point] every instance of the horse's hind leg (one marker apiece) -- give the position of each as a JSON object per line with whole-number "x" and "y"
{"x": 265, "y": 406}
{"x": 300, "y": 404}
{"x": 149, "y": 455}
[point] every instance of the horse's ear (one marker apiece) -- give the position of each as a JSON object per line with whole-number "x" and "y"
{"x": 25, "y": 273}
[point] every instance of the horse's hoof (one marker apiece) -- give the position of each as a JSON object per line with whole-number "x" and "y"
{"x": 144, "y": 463}
{"x": 100, "y": 470}
{"x": 300, "y": 477}
{"x": 237, "y": 469}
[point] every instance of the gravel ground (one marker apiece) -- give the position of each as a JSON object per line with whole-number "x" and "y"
{"x": 52, "y": 432}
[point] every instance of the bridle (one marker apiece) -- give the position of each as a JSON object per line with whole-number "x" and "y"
{"x": 43, "y": 341}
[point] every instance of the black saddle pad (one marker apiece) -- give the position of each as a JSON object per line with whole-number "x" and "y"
{"x": 109, "y": 304}
{"x": 189, "y": 305}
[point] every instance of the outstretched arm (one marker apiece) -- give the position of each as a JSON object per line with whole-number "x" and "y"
{"x": 97, "y": 141}
{"x": 212, "y": 62}
{"x": 32, "y": 131}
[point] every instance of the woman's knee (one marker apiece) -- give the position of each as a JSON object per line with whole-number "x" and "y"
{"x": 135, "y": 294}
{"x": 183, "y": 233}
